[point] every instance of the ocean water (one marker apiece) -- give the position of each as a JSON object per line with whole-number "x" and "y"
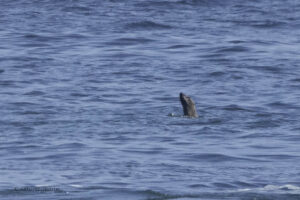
{"x": 86, "y": 89}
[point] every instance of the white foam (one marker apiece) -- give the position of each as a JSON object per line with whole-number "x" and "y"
{"x": 283, "y": 187}
{"x": 244, "y": 190}
{"x": 76, "y": 186}
{"x": 42, "y": 185}
{"x": 274, "y": 188}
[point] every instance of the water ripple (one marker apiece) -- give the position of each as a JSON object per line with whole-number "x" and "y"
{"x": 129, "y": 41}
{"x": 147, "y": 25}
{"x": 86, "y": 88}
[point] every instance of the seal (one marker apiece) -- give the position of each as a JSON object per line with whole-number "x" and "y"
{"x": 188, "y": 105}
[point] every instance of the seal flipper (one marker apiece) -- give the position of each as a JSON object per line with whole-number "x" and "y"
{"x": 188, "y": 105}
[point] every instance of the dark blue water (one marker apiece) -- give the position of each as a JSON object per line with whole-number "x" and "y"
{"x": 86, "y": 88}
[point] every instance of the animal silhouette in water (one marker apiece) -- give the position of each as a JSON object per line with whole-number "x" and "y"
{"x": 188, "y": 105}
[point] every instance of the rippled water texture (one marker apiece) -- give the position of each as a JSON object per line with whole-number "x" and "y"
{"x": 87, "y": 87}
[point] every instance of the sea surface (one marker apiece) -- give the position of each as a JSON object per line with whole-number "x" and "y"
{"x": 89, "y": 99}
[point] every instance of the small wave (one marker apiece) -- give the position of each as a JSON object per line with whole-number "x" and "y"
{"x": 77, "y": 9}
{"x": 23, "y": 103}
{"x": 282, "y": 105}
{"x": 246, "y": 193}
{"x": 233, "y": 49}
{"x": 75, "y": 36}
{"x": 147, "y": 25}
{"x": 217, "y": 74}
{"x": 129, "y": 41}
{"x": 179, "y": 46}
{"x": 269, "y": 69}
{"x": 150, "y": 152}
{"x": 167, "y": 4}
{"x": 51, "y": 157}
{"x": 267, "y": 24}
{"x": 264, "y": 124}
{"x": 198, "y": 186}
{"x": 201, "y": 2}
{"x": 1, "y": 71}
{"x": 260, "y": 146}
{"x": 111, "y": 186}
{"x": 224, "y": 185}
{"x": 40, "y": 37}
{"x": 234, "y": 107}
{"x": 34, "y": 93}
{"x": 260, "y": 24}
{"x": 8, "y": 83}
{"x": 293, "y": 189}
{"x": 197, "y": 121}
{"x": 275, "y": 157}
{"x": 70, "y": 145}
{"x": 76, "y": 94}
{"x": 123, "y": 55}
{"x": 172, "y": 4}
{"x": 164, "y": 196}
{"x": 244, "y": 184}
{"x": 214, "y": 157}
{"x": 296, "y": 80}
{"x": 283, "y": 187}
{"x": 76, "y": 186}
{"x": 30, "y": 112}
{"x": 236, "y": 41}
